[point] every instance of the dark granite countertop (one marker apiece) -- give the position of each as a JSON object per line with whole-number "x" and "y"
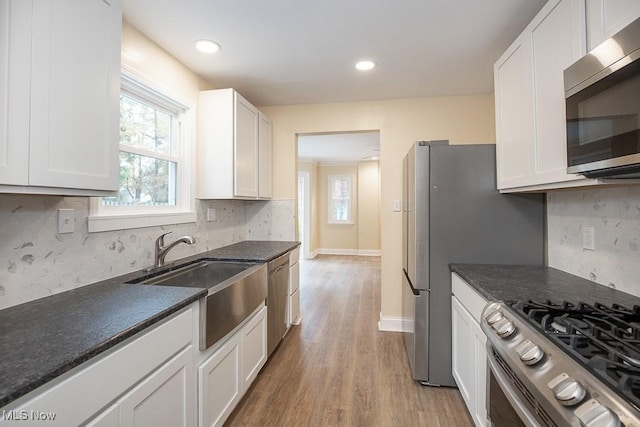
{"x": 516, "y": 282}
{"x": 45, "y": 338}
{"x": 247, "y": 251}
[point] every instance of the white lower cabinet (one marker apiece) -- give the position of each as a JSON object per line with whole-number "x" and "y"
{"x": 148, "y": 380}
{"x": 219, "y": 383}
{"x": 469, "y": 357}
{"x": 164, "y": 399}
{"x": 294, "y": 288}
{"x": 226, "y": 375}
{"x": 253, "y": 345}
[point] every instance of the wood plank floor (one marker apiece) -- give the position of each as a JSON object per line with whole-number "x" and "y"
{"x": 336, "y": 368}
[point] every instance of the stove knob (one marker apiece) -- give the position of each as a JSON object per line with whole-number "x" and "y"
{"x": 529, "y": 353}
{"x": 594, "y": 414}
{"x": 568, "y": 391}
{"x": 493, "y": 317}
{"x": 504, "y": 328}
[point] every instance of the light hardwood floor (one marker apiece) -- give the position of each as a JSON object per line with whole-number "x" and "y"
{"x": 336, "y": 368}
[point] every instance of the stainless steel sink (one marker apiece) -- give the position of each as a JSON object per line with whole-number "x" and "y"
{"x": 236, "y": 289}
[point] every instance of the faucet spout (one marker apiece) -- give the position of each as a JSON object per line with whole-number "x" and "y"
{"x": 162, "y": 250}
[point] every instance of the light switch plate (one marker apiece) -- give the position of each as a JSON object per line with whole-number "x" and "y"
{"x": 397, "y": 206}
{"x": 66, "y": 221}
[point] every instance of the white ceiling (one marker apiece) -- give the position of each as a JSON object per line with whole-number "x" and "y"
{"x": 339, "y": 147}
{"x": 291, "y": 52}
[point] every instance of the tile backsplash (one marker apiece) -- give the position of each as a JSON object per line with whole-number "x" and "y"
{"x": 36, "y": 261}
{"x": 614, "y": 214}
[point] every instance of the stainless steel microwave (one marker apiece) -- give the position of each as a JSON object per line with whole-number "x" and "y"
{"x": 602, "y": 98}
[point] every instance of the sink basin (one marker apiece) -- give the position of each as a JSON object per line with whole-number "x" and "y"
{"x": 202, "y": 274}
{"x": 236, "y": 290}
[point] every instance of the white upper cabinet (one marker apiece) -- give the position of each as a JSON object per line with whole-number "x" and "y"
{"x": 59, "y": 125}
{"x": 15, "y": 39}
{"x": 529, "y": 91}
{"x": 514, "y": 114}
{"x": 231, "y": 162}
{"x": 265, "y": 156}
{"x": 558, "y": 40}
{"x": 607, "y": 17}
{"x": 245, "y": 171}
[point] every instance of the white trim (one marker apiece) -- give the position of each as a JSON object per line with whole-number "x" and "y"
{"x": 121, "y": 222}
{"x": 393, "y": 324}
{"x": 306, "y": 214}
{"x": 356, "y": 252}
{"x": 105, "y": 218}
{"x": 313, "y": 254}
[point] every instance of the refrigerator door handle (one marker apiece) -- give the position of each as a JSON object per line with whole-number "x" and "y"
{"x": 414, "y": 291}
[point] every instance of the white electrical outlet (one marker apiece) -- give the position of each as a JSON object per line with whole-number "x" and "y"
{"x": 588, "y": 238}
{"x": 66, "y": 221}
{"x": 211, "y": 214}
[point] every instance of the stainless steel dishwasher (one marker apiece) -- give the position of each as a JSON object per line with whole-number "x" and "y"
{"x": 277, "y": 294}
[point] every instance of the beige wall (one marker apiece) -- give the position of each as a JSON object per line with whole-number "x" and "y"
{"x": 462, "y": 120}
{"x": 146, "y": 58}
{"x": 368, "y": 206}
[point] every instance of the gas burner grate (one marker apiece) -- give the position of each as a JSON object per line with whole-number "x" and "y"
{"x": 604, "y": 339}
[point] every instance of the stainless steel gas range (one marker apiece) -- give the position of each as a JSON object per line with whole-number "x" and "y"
{"x": 563, "y": 364}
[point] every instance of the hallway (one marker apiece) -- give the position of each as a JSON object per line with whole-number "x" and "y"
{"x": 336, "y": 368}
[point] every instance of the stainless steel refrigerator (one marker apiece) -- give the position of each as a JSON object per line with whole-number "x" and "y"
{"x": 452, "y": 213}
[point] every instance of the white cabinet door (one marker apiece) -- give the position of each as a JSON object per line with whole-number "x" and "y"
{"x": 254, "y": 347}
{"x": 265, "y": 158}
{"x": 513, "y": 83}
{"x": 245, "y": 149}
{"x": 15, "y": 65}
{"x": 294, "y": 308}
{"x": 558, "y": 40}
{"x": 108, "y": 418}
{"x": 462, "y": 351}
{"x": 75, "y": 86}
{"x": 469, "y": 355}
{"x": 165, "y": 398}
{"x": 607, "y": 17}
{"x": 219, "y": 384}
{"x": 294, "y": 278}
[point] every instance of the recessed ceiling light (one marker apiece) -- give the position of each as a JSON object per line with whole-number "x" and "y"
{"x": 207, "y": 46}
{"x": 365, "y": 65}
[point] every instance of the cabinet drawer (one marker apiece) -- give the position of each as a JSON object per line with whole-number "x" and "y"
{"x": 468, "y": 297}
{"x": 294, "y": 256}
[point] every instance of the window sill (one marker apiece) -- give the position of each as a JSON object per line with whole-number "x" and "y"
{"x": 98, "y": 223}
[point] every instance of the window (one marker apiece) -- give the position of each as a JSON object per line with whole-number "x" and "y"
{"x": 155, "y": 177}
{"x": 340, "y": 201}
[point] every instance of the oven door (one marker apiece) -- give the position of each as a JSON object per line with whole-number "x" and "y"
{"x": 505, "y": 404}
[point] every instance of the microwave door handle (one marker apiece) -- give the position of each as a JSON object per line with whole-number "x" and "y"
{"x": 510, "y": 392}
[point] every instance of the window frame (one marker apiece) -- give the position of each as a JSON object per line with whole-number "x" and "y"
{"x": 107, "y": 218}
{"x": 330, "y": 201}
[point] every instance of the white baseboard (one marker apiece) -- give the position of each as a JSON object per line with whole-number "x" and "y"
{"x": 357, "y": 252}
{"x": 394, "y": 324}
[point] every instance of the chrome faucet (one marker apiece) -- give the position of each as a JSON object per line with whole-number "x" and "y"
{"x": 162, "y": 250}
